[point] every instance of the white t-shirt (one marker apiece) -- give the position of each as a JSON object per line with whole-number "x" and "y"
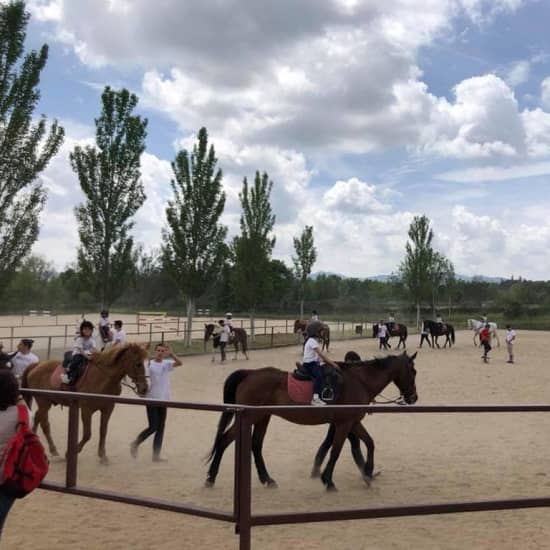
{"x": 21, "y": 361}
{"x": 84, "y": 346}
{"x": 382, "y": 330}
{"x": 225, "y": 333}
{"x": 310, "y": 351}
{"x": 510, "y": 335}
{"x": 160, "y": 379}
{"x": 104, "y": 321}
{"x": 119, "y": 337}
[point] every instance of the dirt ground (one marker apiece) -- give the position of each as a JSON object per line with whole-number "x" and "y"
{"x": 423, "y": 459}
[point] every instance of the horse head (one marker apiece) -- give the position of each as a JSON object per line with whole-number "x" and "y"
{"x": 131, "y": 359}
{"x": 299, "y": 325}
{"x": 405, "y": 377}
{"x": 351, "y": 356}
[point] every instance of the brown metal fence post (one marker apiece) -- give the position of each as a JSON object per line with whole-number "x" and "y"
{"x": 65, "y": 340}
{"x": 11, "y": 337}
{"x": 162, "y": 337}
{"x": 150, "y": 332}
{"x": 72, "y": 446}
{"x": 49, "y": 347}
{"x": 272, "y": 328}
{"x": 245, "y": 481}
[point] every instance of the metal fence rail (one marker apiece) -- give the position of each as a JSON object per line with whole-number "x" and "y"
{"x": 242, "y": 515}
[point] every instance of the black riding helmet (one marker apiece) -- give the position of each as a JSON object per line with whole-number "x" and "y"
{"x": 104, "y": 313}
{"x": 86, "y": 324}
{"x": 313, "y": 329}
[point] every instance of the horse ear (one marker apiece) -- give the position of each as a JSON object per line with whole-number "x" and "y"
{"x": 413, "y": 356}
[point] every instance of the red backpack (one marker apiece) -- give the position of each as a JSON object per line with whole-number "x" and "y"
{"x": 24, "y": 463}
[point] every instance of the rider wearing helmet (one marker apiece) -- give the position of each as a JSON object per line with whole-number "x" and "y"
{"x": 84, "y": 346}
{"x": 229, "y": 321}
{"x": 104, "y": 325}
{"x": 312, "y": 360}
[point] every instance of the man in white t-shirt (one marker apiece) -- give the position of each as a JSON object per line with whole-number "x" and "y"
{"x": 160, "y": 366}
{"x": 225, "y": 334}
{"x": 120, "y": 336}
{"x": 382, "y": 335}
{"x": 510, "y": 339}
{"x": 23, "y": 357}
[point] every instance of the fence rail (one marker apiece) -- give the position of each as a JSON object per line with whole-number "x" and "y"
{"x": 242, "y": 515}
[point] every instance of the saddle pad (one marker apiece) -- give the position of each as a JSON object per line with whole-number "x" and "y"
{"x": 299, "y": 391}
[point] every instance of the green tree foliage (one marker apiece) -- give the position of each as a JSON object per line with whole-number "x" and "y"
{"x": 109, "y": 175}
{"x": 306, "y": 255}
{"x": 25, "y": 147}
{"x": 441, "y": 274}
{"x": 195, "y": 251}
{"x": 253, "y": 247}
{"x": 415, "y": 268}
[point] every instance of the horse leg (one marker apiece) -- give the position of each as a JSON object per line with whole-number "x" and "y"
{"x": 341, "y": 432}
{"x": 41, "y": 418}
{"x": 257, "y": 442}
{"x": 368, "y": 469}
{"x": 325, "y": 446}
{"x": 103, "y": 425}
{"x": 86, "y": 415}
{"x": 227, "y": 438}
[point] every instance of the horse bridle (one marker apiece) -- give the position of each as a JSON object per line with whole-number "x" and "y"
{"x": 135, "y": 379}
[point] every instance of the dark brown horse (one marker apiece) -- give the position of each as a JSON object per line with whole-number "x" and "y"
{"x": 239, "y": 338}
{"x": 104, "y": 375}
{"x": 362, "y": 381}
{"x": 397, "y": 329}
{"x": 300, "y": 326}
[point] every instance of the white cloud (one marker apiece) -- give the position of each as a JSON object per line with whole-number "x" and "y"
{"x": 354, "y": 197}
{"x": 518, "y": 73}
{"x": 545, "y": 92}
{"x": 496, "y": 173}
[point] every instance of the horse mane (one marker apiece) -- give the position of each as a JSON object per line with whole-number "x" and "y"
{"x": 108, "y": 357}
{"x": 377, "y": 362}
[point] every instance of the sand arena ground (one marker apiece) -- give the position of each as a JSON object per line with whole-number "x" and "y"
{"x": 423, "y": 458}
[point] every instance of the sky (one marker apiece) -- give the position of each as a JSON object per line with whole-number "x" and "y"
{"x": 364, "y": 113}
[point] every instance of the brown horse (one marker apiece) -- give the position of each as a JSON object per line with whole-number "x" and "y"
{"x": 397, "y": 329}
{"x": 300, "y": 325}
{"x": 239, "y": 339}
{"x": 104, "y": 375}
{"x": 362, "y": 381}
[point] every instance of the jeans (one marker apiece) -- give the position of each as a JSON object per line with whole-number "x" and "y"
{"x": 315, "y": 370}
{"x": 6, "y": 503}
{"x": 222, "y": 349}
{"x": 156, "y": 416}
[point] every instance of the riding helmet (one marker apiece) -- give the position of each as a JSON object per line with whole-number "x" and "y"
{"x": 104, "y": 313}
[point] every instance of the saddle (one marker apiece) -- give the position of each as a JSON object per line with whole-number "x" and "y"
{"x": 332, "y": 380}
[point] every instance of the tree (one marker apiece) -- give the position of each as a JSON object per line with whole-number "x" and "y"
{"x": 305, "y": 258}
{"x": 415, "y": 268}
{"x": 441, "y": 274}
{"x": 25, "y": 148}
{"x": 195, "y": 251}
{"x": 253, "y": 247}
{"x": 109, "y": 175}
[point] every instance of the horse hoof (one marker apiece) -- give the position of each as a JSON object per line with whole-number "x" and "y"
{"x": 209, "y": 483}
{"x": 54, "y": 452}
{"x": 271, "y": 484}
{"x": 315, "y": 474}
{"x": 332, "y": 488}
{"x": 104, "y": 461}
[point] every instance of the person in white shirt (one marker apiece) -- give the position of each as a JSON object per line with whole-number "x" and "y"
{"x": 23, "y": 358}
{"x": 224, "y": 337}
{"x": 382, "y": 335}
{"x": 510, "y": 339}
{"x": 84, "y": 346}
{"x": 160, "y": 366}
{"x": 312, "y": 360}
{"x": 314, "y": 315}
{"x": 120, "y": 336}
{"x": 105, "y": 326}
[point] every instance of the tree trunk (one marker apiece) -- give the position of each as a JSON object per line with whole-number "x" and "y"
{"x": 417, "y": 315}
{"x": 302, "y": 308}
{"x": 433, "y": 304}
{"x": 450, "y": 307}
{"x": 189, "y": 331}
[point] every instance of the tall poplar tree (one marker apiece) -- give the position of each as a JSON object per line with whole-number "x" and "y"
{"x": 25, "y": 147}
{"x": 109, "y": 175}
{"x": 415, "y": 269}
{"x": 253, "y": 247}
{"x": 194, "y": 249}
{"x": 305, "y": 258}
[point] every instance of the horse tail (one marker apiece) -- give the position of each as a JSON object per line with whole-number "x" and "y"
{"x": 244, "y": 341}
{"x": 452, "y": 330}
{"x": 404, "y": 332}
{"x": 229, "y": 396}
{"x": 25, "y": 384}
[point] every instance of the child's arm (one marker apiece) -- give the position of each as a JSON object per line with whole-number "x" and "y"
{"x": 326, "y": 359}
{"x": 171, "y": 355}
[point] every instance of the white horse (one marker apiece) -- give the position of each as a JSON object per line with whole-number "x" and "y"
{"x": 476, "y": 326}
